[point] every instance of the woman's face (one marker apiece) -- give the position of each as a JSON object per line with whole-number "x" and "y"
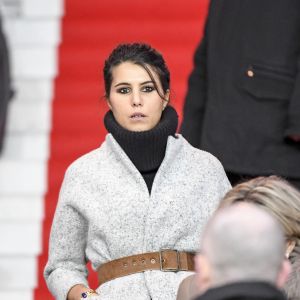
{"x": 133, "y": 99}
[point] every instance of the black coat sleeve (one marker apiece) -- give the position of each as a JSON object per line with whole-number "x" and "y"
{"x": 194, "y": 105}
{"x": 4, "y": 83}
{"x": 293, "y": 124}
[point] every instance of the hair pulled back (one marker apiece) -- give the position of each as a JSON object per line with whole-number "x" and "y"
{"x": 140, "y": 54}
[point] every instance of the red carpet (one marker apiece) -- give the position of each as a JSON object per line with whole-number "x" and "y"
{"x": 90, "y": 29}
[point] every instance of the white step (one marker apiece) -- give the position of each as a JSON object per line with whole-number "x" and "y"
{"x": 34, "y": 62}
{"x": 20, "y": 238}
{"x": 32, "y": 8}
{"x": 19, "y": 178}
{"x": 43, "y": 90}
{"x": 42, "y": 8}
{"x": 26, "y": 146}
{"x": 30, "y": 117}
{"x": 32, "y": 32}
{"x": 17, "y": 273}
{"x": 17, "y": 295}
{"x": 21, "y": 209}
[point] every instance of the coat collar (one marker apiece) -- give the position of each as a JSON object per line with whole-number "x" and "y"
{"x": 174, "y": 146}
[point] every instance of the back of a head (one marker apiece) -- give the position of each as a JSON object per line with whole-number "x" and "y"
{"x": 243, "y": 243}
{"x": 276, "y": 196}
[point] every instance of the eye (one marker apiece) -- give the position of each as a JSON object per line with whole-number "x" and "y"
{"x": 123, "y": 90}
{"x": 148, "y": 88}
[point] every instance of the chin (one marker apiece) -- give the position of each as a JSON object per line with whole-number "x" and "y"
{"x": 139, "y": 128}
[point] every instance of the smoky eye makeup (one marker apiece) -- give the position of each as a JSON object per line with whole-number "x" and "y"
{"x": 123, "y": 90}
{"x": 148, "y": 88}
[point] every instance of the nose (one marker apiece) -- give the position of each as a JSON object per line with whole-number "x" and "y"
{"x": 137, "y": 99}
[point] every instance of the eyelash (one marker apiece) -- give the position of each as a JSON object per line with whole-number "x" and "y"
{"x": 146, "y": 89}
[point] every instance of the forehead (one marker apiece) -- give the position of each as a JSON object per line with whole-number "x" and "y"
{"x": 131, "y": 73}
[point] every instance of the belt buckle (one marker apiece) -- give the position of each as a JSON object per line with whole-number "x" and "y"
{"x": 161, "y": 258}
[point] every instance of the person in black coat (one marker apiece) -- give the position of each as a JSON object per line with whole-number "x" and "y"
{"x": 243, "y": 99}
{"x": 242, "y": 260}
{"x": 5, "y": 85}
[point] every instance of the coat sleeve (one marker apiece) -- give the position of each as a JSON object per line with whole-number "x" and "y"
{"x": 293, "y": 124}
{"x": 194, "y": 106}
{"x": 66, "y": 265}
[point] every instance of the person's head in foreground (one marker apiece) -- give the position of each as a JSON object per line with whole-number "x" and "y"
{"x": 282, "y": 200}
{"x": 242, "y": 255}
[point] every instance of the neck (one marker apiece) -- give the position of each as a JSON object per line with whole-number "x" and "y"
{"x": 146, "y": 149}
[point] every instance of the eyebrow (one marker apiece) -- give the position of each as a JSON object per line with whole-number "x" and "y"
{"x": 126, "y": 83}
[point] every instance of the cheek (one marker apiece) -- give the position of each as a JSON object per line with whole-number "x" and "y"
{"x": 158, "y": 108}
{"x": 157, "y": 115}
{"x": 116, "y": 106}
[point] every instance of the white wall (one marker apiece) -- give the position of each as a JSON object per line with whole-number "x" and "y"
{"x": 33, "y": 33}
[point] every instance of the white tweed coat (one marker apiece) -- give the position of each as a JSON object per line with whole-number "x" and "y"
{"x": 105, "y": 212}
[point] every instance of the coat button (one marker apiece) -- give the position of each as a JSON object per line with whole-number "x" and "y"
{"x": 250, "y": 73}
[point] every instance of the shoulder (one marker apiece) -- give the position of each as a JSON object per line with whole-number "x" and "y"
{"x": 198, "y": 157}
{"x": 201, "y": 168}
{"x": 87, "y": 162}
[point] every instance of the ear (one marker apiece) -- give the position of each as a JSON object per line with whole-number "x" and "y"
{"x": 283, "y": 273}
{"x": 108, "y": 103}
{"x": 290, "y": 245}
{"x": 167, "y": 99}
{"x": 203, "y": 269}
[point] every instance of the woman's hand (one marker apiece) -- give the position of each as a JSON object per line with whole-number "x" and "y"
{"x": 75, "y": 293}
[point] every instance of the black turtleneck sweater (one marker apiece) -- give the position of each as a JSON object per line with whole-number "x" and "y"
{"x": 146, "y": 149}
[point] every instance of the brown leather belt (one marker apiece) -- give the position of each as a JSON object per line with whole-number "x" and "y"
{"x": 166, "y": 260}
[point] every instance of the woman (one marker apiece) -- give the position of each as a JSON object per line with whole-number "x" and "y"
{"x": 145, "y": 189}
{"x": 282, "y": 200}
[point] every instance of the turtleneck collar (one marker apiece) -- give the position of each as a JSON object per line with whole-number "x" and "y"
{"x": 146, "y": 149}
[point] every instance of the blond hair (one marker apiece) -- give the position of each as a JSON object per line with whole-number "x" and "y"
{"x": 275, "y": 195}
{"x": 282, "y": 200}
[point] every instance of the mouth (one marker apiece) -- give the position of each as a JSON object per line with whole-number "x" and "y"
{"x": 137, "y": 116}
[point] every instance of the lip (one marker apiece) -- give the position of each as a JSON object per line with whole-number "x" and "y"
{"x": 137, "y": 116}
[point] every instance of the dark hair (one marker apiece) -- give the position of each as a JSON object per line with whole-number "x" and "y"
{"x": 143, "y": 55}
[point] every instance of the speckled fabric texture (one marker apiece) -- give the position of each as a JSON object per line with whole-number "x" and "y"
{"x": 105, "y": 212}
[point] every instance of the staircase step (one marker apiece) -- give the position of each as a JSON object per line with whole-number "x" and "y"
{"x": 29, "y": 117}
{"x": 25, "y": 294}
{"x": 81, "y": 118}
{"x": 21, "y": 209}
{"x": 136, "y": 9}
{"x": 26, "y": 146}
{"x": 29, "y": 177}
{"x": 23, "y": 279}
{"x": 39, "y": 9}
{"x": 67, "y": 145}
{"x": 73, "y": 58}
{"x": 38, "y": 62}
{"x": 21, "y": 238}
{"x": 75, "y": 91}
{"x": 33, "y": 32}
{"x": 43, "y": 90}
{"x": 102, "y": 33}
